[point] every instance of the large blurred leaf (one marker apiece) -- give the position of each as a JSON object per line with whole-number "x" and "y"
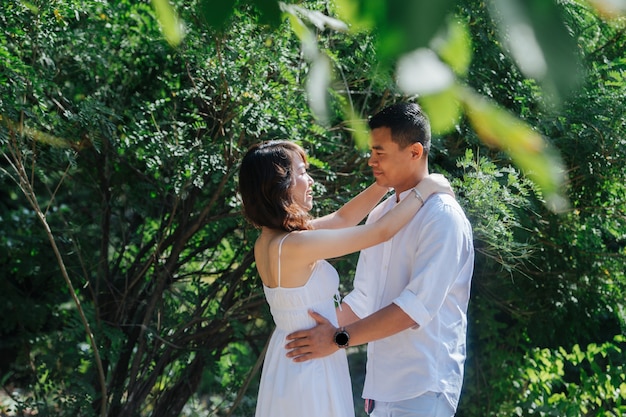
{"x": 402, "y": 25}
{"x": 421, "y": 72}
{"x": 270, "y": 11}
{"x": 319, "y": 77}
{"x": 317, "y": 18}
{"x": 168, "y": 19}
{"x": 417, "y": 20}
{"x": 216, "y": 13}
{"x": 317, "y": 86}
{"x": 536, "y": 36}
{"x": 358, "y": 128}
{"x": 527, "y": 148}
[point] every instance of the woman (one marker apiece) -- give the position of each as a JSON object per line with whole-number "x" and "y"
{"x": 290, "y": 257}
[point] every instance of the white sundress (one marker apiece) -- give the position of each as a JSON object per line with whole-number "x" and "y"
{"x": 315, "y": 388}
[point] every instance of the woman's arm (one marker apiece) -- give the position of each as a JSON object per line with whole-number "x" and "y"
{"x": 311, "y": 245}
{"x": 354, "y": 211}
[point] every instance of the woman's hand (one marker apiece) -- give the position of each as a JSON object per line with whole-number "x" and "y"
{"x": 433, "y": 184}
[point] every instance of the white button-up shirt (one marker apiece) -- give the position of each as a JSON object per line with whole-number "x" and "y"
{"x": 425, "y": 269}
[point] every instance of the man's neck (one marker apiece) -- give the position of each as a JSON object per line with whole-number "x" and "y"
{"x": 409, "y": 185}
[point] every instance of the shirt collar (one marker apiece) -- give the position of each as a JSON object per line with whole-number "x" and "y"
{"x": 402, "y": 195}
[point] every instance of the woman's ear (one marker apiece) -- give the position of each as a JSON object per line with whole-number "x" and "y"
{"x": 417, "y": 150}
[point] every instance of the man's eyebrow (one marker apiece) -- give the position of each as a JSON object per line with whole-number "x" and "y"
{"x": 377, "y": 147}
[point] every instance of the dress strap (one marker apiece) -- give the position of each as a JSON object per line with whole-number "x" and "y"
{"x": 280, "y": 248}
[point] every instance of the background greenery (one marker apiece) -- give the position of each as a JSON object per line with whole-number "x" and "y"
{"x": 126, "y": 267}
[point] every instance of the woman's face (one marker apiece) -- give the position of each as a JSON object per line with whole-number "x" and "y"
{"x": 301, "y": 188}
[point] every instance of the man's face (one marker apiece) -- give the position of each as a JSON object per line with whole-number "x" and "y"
{"x": 392, "y": 167}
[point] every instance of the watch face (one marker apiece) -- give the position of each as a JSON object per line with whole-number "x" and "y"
{"x": 342, "y": 338}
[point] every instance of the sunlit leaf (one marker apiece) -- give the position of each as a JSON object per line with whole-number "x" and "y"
{"x": 351, "y": 11}
{"x": 319, "y": 76}
{"x": 317, "y": 18}
{"x": 46, "y": 138}
{"x": 444, "y": 110}
{"x": 168, "y": 19}
{"x": 30, "y": 6}
{"x": 306, "y": 36}
{"x": 454, "y": 47}
{"x": 358, "y": 128}
{"x": 610, "y": 8}
{"x": 528, "y": 150}
{"x": 317, "y": 85}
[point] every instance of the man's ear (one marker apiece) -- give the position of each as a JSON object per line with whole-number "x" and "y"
{"x": 417, "y": 150}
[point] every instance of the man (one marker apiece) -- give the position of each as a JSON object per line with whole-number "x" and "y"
{"x": 410, "y": 296}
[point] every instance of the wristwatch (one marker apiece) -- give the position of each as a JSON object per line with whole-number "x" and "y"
{"x": 342, "y": 338}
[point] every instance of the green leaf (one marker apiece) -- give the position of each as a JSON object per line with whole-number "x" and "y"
{"x": 168, "y": 19}
{"x": 317, "y": 84}
{"x": 317, "y": 18}
{"x": 30, "y": 6}
{"x": 215, "y": 13}
{"x": 270, "y": 11}
{"x": 417, "y": 20}
{"x": 358, "y": 128}
{"x": 402, "y": 25}
{"x": 455, "y": 47}
{"x": 443, "y": 109}
{"x": 361, "y": 16}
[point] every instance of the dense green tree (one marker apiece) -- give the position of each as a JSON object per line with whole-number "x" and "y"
{"x": 567, "y": 291}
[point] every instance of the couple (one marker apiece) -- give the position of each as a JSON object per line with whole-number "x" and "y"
{"x": 411, "y": 287}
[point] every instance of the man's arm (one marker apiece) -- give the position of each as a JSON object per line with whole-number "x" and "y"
{"x": 345, "y": 315}
{"x": 319, "y": 341}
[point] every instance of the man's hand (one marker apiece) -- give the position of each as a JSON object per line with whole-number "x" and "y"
{"x": 313, "y": 343}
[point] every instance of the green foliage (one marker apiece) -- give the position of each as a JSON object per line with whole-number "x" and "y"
{"x": 131, "y": 148}
{"x": 567, "y": 289}
{"x": 140, "y": 181}
{"x": 494, "y": 198}
{"x": 580, "y": 382}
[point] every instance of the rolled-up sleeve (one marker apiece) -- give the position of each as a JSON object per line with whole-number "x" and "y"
{"x": 410, "y": 304}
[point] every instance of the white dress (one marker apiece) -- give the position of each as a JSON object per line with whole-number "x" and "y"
{"x": 315, "y": 388}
